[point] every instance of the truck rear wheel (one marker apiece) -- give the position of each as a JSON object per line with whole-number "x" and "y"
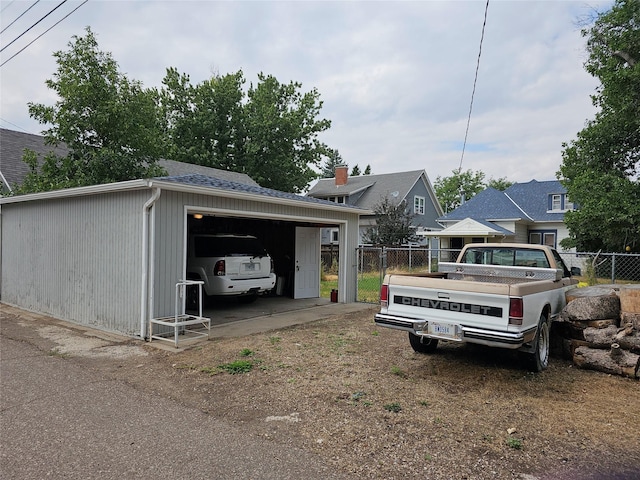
{"x": 422, "y": 344}
{"x": 538, "y": 360}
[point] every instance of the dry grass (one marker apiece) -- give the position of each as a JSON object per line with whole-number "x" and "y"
{"x": 362, "y": 399}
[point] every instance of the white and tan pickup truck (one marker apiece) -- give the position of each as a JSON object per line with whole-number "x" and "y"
{"x": 497, "y": 294}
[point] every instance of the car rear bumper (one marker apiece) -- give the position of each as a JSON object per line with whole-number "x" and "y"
{"x": 228, "y": 286}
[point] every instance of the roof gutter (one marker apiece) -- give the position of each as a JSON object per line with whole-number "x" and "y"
{"x": 148, "y": 242}
{"x": 78, "y": 191}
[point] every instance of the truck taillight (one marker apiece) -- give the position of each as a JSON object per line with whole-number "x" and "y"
{"x": 384, "y": 296}
{"x": 219, "y": 269}
{"x": 515, "y": 311}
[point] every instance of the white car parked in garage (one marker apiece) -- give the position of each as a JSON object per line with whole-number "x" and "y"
{"x": 229, "y": 265}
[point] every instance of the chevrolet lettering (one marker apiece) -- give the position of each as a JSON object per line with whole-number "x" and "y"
{"x": 451, "y": 306}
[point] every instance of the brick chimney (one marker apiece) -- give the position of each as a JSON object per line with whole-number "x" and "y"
{"x": 341, "y": 175}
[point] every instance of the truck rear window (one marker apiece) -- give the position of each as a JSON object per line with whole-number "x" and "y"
{"x": 506, "y": 257}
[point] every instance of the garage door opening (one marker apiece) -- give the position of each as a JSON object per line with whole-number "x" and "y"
{"x": 294, "y": 248}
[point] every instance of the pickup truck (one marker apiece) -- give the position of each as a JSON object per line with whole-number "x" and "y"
{"x": 496, "y": 294}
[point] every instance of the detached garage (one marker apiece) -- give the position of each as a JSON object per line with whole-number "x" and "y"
{"x": 109, "y": 256}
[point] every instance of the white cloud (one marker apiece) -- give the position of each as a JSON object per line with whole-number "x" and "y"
{"x": 395, "y": 77}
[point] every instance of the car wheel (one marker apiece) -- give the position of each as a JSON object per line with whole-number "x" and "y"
{"x": 422, "y": 344}
{"x": 538, "y": 360}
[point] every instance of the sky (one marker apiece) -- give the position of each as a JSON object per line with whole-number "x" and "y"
{"x": 396, "y": 78}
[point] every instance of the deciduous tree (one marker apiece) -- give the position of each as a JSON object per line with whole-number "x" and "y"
{"x": 600, "y": 167}
{"x": 110, "y": 124}
{"x": 461, "y": 186}
{"x": 393, "y": 224}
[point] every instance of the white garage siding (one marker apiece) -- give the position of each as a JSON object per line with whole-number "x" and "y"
{"x": 76, "y": 258}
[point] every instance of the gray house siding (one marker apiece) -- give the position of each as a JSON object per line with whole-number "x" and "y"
{"x": 428, "y": 220}
{"x": 76, "y": 260}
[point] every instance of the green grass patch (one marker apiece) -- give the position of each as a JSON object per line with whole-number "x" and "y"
{"x": 239, "y": 366}
{"x": 514, "y": 443}
{"x": 393, "y": 407}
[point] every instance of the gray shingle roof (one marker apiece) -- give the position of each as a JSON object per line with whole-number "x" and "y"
{"x": 13, "y": 144}
{"x": 174, "y": 168}
{"x": 376, "y": 186}
{"x": 223, "y": 184}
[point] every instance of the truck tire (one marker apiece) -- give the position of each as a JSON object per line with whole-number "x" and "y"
{"x": 538, "y": 360}
{"x": 422, "y": 344}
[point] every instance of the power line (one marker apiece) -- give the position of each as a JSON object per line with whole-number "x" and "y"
{"x": 41, "y": 19}
{"x": 19, "y": 16}
{"x": 475, "y": 80}
{"x": 32, "y": 41}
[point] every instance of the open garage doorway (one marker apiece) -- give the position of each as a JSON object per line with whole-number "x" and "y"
{"x": 294, "y": 247}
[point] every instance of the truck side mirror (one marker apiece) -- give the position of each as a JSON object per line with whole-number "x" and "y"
{"x": 575, "y": 271}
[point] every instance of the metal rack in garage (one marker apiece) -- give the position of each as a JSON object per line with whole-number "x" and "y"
{"x": 181, "y": 326}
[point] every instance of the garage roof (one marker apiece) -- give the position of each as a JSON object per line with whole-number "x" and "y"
{"x": 193, "y": 183}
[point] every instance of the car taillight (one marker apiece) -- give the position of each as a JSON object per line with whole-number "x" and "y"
{"x": 219, "y": 269}
{"x": 384, "y": 296}
{"x": 272, "y": 270}
{"x": 515, "y": 311}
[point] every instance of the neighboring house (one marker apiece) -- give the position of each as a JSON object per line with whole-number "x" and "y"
{"x": 531, "y": 212}
{"x": 367, "y": 191}
{"x": 13, "y": 170}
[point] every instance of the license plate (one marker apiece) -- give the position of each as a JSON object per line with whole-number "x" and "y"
{"x": 442, "y": 329}
{"x": 249, "y": 267}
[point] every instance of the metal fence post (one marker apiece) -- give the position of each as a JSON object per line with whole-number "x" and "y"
{"x": 613, "y": 268}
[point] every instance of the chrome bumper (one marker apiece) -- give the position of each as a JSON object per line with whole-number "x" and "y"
{"x": 492, "y": 338}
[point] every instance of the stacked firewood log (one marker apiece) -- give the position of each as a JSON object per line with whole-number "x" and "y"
{"x": 599, "y": 328}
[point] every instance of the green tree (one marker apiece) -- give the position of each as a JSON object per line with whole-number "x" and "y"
{"x": 499, "y": 183}
{"x": 282, "y": 127}
{"x": 333, "y": 159}
{"x": 110, "y": 124}
{"x": 355, "y": 171}
{"x": 451, "y": 190}
{"x": 600, "y": 167}
{"x": 204, "y": 123}
{"x": 393, "y": 224}
{"x": 462, "y": 186}
{"x": 367, "y": 170}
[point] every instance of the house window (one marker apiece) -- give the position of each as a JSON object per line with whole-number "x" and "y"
{"x": 418, "y": 205}
{"x": 335, "y": 236}
{"x": 568, "y": 204}
{"x": 535, "y": 238}
{"x": 337, "y": 199}
{"x": 556, "y": 202}
{"x": 543, "y": 238}
{"x": 550, "y": 239}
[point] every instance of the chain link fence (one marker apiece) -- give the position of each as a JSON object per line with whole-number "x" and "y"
{"x": 374, "y": 262}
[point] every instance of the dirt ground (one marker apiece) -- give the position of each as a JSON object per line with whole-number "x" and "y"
{"x": 361, "y": 398}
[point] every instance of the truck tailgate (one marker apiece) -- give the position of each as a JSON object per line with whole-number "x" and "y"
{"x": 470, "y": 304}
